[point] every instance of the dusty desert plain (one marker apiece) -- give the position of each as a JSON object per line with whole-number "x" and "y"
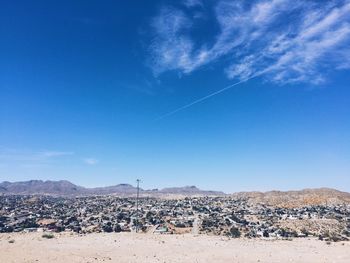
{"x": 143, "y": 248}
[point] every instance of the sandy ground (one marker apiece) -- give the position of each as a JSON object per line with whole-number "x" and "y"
{"x": 143, "y": 248}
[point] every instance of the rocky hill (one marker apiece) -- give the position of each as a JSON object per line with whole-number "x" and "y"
{"x": 290, "y": 199}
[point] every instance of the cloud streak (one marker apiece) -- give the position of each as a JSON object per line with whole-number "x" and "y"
{"x": 90, "y": 161}
{"x": 31, "y": 159}
{"x": 284, "y": 41}
{"x": 31, "y": 156}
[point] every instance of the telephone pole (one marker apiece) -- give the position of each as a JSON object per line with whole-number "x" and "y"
{"x": 137, "y": 204}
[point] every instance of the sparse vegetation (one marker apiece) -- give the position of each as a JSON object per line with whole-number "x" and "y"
{"x": 223, "y": 216}
{"x": 332, "y": 237}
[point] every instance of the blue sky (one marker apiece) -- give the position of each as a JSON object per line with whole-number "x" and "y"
{"x": 226, "y": 95}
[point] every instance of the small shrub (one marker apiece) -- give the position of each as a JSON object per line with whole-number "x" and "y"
{"x": 107, "y": 228}
{"x": 117, "y": 228}
{"x": 266, "y": 234}
{"x": 234, "y": 232}
{"x": 47, "y": 236}
{"x": 11, "y": 241}
{"x": 346, "y": 233}
{"x": 305, "y": 232}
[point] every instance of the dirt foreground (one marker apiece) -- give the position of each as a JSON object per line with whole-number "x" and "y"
{"x": 143, "y": 248}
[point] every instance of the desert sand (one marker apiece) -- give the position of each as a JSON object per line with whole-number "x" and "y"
{"x": 143, "y": 248}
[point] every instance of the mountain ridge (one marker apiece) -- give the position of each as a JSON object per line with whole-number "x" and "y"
{"x": 64, "y": 188}
{"x": 292, "y": 198}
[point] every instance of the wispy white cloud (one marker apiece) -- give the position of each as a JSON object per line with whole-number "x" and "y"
{"x": 284, "y": 40}
{"x": 7, "y": 154}
{"x": 55, "y": 153}
{"x": 90, "y": 161}
{"x": 31, "y": 159}
{"x": 169, "y": 29}
{"x": 193, "y": 3}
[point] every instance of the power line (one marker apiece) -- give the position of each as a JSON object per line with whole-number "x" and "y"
{"x": 137, "y": 204}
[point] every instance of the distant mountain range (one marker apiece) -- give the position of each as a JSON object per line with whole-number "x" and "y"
{"x": 276, "y": 198}
{"x": 66, "y": 188}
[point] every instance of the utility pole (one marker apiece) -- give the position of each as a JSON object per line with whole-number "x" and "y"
{"x": 137, "y": 204}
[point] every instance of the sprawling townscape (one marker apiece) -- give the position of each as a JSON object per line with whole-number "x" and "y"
{"x": 225, "y": 216}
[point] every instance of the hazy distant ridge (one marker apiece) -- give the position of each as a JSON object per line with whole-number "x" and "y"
{"x": 276, "y": 198}
{"x": 68, "y": 188}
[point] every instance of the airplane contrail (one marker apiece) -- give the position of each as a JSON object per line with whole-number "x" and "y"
{"x": 204, "y": 98}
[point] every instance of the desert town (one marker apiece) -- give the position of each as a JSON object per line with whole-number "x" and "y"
{"x": 219, "y": 216}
